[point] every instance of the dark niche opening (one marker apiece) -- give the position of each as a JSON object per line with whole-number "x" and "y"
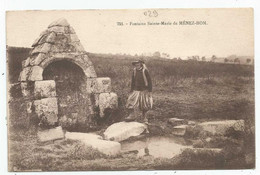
{"x": 71, "y": 93}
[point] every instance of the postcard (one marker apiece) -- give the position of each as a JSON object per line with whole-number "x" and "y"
{"x": 130, "y": 89}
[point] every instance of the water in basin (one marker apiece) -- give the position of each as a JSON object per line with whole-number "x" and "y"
{"x": 157, "y": 146}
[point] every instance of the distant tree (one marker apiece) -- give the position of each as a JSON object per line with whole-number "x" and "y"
{"x": 179, "y": 58}
{"x": 157, "y": 54}
{"x": 226, "y": 60}
{"x": 213, "y": 58}
{"x": 248, "y": 60}
{"x": 236, "y": 60}
{"x": 203, "y": 58}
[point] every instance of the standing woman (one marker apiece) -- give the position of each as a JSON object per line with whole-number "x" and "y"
{"x": 141, "y": 92}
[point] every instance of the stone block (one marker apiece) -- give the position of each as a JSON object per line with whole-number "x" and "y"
{"x": 81, "y": 136}
{"x": 50, "y": 134}
{"x": 26, "y": 63}
{"x": 47, "y": 110}
{"x": 221, "y": 127}
{"x": 107, "y": 101}
{"x": 43, "y": 48}
{"x": 98, "y": 85}
{"x": 36, "y": 60}
{"x": 24, "y": 74}
{"x": 107, "y": 147}
{"x": 179, "y": 130}
{"x": 177, "y": 121}
{"x": 44, "y": 89}
{"x": 25, "y": 88}
{"x": 35, "y": 73}
{"x": 124, "y": 130}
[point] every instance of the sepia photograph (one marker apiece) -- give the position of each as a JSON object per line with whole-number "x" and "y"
{"x": 130, "y": 89}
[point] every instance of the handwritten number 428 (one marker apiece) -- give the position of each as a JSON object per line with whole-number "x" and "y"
{"x": 150, "y": 13}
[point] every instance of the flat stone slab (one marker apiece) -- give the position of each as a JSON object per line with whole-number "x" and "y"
{"x": 177, "y": 121}
{"x": 107, "y": 147}
{"x": 221, "y": 127}
{"x": 124, "y": 130}
{"x": 179, "y": 130}
{"x": 81, "y": 136}
{"x": 50, "y": 134}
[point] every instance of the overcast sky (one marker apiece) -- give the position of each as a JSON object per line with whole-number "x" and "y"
{"x": 228, "y": 31}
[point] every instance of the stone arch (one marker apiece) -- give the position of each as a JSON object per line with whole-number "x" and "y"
{"x": 81, "y": 61}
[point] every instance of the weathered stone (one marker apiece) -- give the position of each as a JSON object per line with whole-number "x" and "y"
{"x": 26, "y": 92}
{"x": 124, "y": 130}
{"x": 179, "y": 130}
{"x": 26, "y": 63}
{"x": 44, "y": 88}
{"x": 24, "y": 74}
{"x": 177, "y": 121}
{"x": 90, "y": 71}
{"x": 71, "y": 30}
{"x": 107, "y": 147}
{"x": 35, "y": 73}
{"x": 107, "y": 101}
{"x": 78, "y": 46}
{"x": 57, "y": 29}
{"x": 47, "y": 110}
{"x": 29, "y": 107}
{"x": 36, "y": 60}
{"x": 81, "y": 136}
{"x": 98, "y": 85}
{"x": 50, "y": 134}
{"x": 74, "y": 38}
{"x": 191, "y": 123}
{"x": 49, "y": 38}
{"x": 35, "y": 43}
{"x": 43, "y": 48}
{"x": 59, "y": 22}
{"x": 221, "y": 127}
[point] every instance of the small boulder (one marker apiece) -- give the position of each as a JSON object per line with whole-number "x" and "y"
{"x": 81, "y": 136}
{"x": 124, "y": 130}
{"x": 50, "y": 134}
{"x": 177, "y": 121}
{"x": 179, "y": 130}
{"x": 107, "y": 147}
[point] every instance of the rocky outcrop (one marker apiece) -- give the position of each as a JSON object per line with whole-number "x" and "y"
{"x": 124, "y": 130}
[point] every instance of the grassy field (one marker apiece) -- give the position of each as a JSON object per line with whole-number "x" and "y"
{"x": 199, "y": 91}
